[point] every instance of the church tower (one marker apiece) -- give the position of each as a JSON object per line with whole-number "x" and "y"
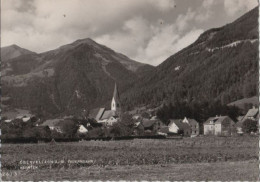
{"x": 115, "y": 104}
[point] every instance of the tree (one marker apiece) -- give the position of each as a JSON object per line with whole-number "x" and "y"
{"x": 69, "y": 127}
{"x": 124, "y": 127}
{"x": 249, "y": 126}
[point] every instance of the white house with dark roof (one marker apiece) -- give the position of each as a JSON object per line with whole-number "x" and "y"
{"x": 219, "y": 125}
{"x": 177, "y": 126}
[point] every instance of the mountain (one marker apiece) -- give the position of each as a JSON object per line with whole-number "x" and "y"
{"x": 13, "y": 51}
{"x": 221, "y": 65}
{"x": 77, "y": 76}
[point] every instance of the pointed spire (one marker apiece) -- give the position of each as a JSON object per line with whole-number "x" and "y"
{"x": 116, "y": 94}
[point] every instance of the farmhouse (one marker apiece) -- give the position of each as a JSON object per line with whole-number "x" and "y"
{"x": 179, "y": 127}
{"x": 152, "y": 125}
{"x": 147, "y": 126}
{"x": 194, "y": 125}
{"x": 219, "y": 125}
{"x": 108, "y": 117}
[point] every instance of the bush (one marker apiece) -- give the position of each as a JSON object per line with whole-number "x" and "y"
{"x": 249, "y": 126}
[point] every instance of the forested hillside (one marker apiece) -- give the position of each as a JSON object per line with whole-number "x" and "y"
{"x": 221, "y": 65}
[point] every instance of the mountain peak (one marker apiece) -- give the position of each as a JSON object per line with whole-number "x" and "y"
{"x": 13, "y": 51}
{"x": 86, "y": 40}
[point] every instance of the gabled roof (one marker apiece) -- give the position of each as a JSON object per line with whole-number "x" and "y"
{"x": 148, "y": 123}
{"x": 93, "y": 113}
{"x": 107, "y": 114}
{"x": 192, "y": 121}
{"x": 179, "y": 124}
{"x": 100, "y": 114}
{"x": 216, "y": 120}
{"x": 252, "y": 112}
{"x": 210, "y": 119}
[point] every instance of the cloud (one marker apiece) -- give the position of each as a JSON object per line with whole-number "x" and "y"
{"x": 182, "y": 20}
{"x": 146, "y": 30}
{"x": 67, "y": 20}
{"x": 234, "y": 6}
{"x": 134, "y": 33}
{"x": 164, "y": 5}
{"x": 208, "y": 4}
{"x": 165, "y": 43}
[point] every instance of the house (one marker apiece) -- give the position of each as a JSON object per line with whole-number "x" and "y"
{"x": 82, "y": 129}
{"x": 193, "y": 124}
{"x": 108, "y": 117}
{"x": 112, "y": 120}
{"x": 152, "y": 125}
{"x": 252, "y": 114}
{"x": 53, "y": 124}
{"x": 147, "y": 126}
{"x": 219, "y": 125}
{"x": 177, "y": 126}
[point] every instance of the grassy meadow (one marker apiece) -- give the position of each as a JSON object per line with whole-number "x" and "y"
{"x": 146, "y": 159}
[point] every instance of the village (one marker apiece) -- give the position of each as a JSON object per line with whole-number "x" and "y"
{"x": 102, "y": 122}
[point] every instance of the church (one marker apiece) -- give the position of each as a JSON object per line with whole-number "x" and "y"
{"x": 109, "y": 117}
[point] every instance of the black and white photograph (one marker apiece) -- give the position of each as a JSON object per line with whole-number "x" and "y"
{"x": 151, "y": 90}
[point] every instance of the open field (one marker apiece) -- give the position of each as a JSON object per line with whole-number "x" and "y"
{"x": 219, "y": 171}
{"x": 201, "y": 158}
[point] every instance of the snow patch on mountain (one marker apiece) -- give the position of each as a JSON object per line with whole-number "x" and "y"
{"x": 233, "y": 44}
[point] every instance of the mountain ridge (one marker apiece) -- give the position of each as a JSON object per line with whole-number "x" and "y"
{"x": 197, "y": 73}
{"x": 68, "y": 79}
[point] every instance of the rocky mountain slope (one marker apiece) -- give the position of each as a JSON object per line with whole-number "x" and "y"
{"x": 222, "y": 64}
{"x": 77, "y": 76}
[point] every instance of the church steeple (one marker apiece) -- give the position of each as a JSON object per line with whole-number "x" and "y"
{"x": 115, "y": 104}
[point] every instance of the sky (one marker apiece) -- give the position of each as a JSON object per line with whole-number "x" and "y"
{"x": 148, "y": 31}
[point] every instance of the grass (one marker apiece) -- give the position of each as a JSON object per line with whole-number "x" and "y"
{"x": 220, "y": 171}
{"x": 112, "y": 158}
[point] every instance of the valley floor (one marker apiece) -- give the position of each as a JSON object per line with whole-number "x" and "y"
{"x": 220, "y": 171}
{"x": 201, "y": 158}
